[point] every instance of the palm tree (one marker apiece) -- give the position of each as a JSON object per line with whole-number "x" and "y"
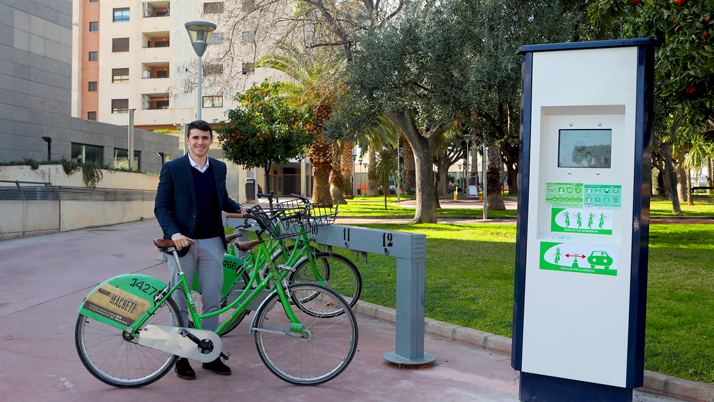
{"x": 316, "y": 83}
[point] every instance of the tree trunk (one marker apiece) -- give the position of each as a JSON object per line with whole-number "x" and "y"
{"x": 320, "y": 157}
{"x": 409, "y": 170}
{"x": 337, "y": 183}
{"x": 442, "y": 174}
{"x": 512, "y": 179}
{"x": 681, "y": 182}
{"x": 372, "y": 189}
{"x": 671, "y": 176}
{"x": 347, "y": 163}
{"x": 495, "y": 198}
{"x": 690, "y": 202}
{"x": 267, "y": 179}
{"x": 422, "y": 148}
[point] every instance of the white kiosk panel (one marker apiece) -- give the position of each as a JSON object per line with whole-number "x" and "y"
{"x": 580, "y": 220}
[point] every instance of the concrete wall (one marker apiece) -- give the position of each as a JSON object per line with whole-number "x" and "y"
{"x": 83, "y": 214}
{"x": 55, "y": 175}
{"x": 35, "y": 90}
{"x": 28, "y": 218}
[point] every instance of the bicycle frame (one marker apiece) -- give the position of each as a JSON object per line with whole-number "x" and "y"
{"x": 242, "y": 302}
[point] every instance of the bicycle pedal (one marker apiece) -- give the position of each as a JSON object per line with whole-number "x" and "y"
{"x": 225, "y": 356}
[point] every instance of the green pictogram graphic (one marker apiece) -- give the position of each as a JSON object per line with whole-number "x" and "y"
{"x": 603, "y": 196}
{"x": 574, "y": 220}
{"x": 564, "y": 195}
{"x": 582, "y": 258}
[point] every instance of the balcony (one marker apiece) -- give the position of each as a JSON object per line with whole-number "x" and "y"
{"x": 155, "y": 24}
{"x": 155, "y": 101}
{"x": 155, "y": 77}
{"x": 154, "y": 9}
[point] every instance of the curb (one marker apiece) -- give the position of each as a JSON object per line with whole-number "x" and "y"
{"x": 654, "y": 383}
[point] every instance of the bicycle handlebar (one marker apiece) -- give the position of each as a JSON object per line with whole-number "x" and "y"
{"x": 307, "y": 200}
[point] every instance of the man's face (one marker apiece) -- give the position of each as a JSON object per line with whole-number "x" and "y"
{"x": 198, "y": 142}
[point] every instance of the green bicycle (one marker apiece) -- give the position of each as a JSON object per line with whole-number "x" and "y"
{"x": 305, "y": 334}
{"x": 311, "y": 265}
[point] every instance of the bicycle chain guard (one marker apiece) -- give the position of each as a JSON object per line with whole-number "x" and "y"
{"x": 169, "y": 339}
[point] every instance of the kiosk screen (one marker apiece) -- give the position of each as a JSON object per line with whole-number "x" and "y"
{"x": 584, "y": 148}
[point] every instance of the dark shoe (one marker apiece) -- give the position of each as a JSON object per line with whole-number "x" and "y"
{"x": 183, "y": 369}
{"x": 217, "y": 367}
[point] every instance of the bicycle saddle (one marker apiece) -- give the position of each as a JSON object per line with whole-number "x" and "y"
{"x": 247, "y": 245}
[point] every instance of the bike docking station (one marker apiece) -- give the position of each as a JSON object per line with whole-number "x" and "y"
{"x": 583, "y": 220}
{"x": 410, "y": 251}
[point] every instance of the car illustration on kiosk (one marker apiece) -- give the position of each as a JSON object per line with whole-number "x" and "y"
{"x": 600, "y": 258}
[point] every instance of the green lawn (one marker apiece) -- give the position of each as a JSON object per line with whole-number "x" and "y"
{"x": 377, "y": 209}
{"x": 660, "y": 207}
{"x": 469, "y": 282}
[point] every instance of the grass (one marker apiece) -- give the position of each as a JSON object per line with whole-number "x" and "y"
{"x": 377, "y": 209}
{"x": 659, "y": 207}
{"x": 470, "y": 274}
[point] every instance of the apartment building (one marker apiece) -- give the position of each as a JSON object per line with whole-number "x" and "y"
{"x": 133, "y": 54}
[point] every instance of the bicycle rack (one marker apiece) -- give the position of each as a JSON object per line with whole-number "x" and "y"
{"x": 410, "y": 251}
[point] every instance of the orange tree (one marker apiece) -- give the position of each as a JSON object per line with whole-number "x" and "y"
{"x": 264, "y": 129}
{"x": 685, "y": 59}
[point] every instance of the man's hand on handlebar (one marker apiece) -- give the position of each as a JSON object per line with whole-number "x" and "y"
{"x": 181, "y": 241}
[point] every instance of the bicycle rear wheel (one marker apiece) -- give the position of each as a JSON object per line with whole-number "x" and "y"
{"x": 325, "y": 347}
{"x": 332, "y": 270}
{"x": 227, "y": 299}
{"x": 117, "y": 359}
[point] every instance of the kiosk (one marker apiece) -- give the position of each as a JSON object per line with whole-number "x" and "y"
{"x": 583, "y": 220}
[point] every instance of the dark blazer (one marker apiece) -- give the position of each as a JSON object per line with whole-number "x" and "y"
{"x": 175, "y": 207}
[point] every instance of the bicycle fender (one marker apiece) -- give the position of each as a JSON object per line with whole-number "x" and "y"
{"x": 121, "y": 300}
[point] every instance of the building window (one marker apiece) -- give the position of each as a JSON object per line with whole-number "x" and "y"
{"x": 120, "y": 45}
{"x": 248, "y": 36}
{"x": 93, "y": 26}
{"x": 162, "y": 104}
{"x": 213, "y": 8}
{"x": 92, "y": 86}
{"x": 248, "y": 5}
{"x": 94, "y": 1}
{"x": 120, "y": 105}
{"x": 213, "y": 69}
{"x": 248, "y": 68}
{"x": 93, "y": 56}
{"x": 82, "y": 153}
{"x": 162, "y": 74}
{"x": 216, "y": 37}
{"x": 161, "y": 43}
{"x": 121, "y": 15}
{"x": 120, "y": 75}
{"x": 212, "y": 101}
{"x": 92, "y": 116}
{"x": 121, "y": 159}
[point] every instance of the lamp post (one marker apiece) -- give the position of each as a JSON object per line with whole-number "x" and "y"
{"x": 199, "y": 32}
{"x": 354, "y": 187}
{"x": 399, "y": 172}
{"x": 359, "y": 163}
{"x": 467, "y": 137}
{"x": 366, "y": 176}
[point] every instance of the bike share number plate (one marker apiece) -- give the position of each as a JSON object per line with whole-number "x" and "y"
{"x": 117, "y": 305}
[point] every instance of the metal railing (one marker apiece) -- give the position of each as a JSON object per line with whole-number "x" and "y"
{"x": 16, "y": 190}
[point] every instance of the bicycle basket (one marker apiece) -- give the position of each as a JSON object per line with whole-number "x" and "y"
{"x": 322, "y": 213}
{"x": 277, "y": 226}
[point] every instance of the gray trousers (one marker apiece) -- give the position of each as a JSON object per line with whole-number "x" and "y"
{"x": 204, "y": 258}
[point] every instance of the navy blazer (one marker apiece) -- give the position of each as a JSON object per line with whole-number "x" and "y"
{"x": 175, "y": 206}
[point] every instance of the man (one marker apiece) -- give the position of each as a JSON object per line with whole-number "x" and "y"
{"x": 189, "y": 200}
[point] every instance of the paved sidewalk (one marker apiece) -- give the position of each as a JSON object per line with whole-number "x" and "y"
{"x": 44, "y": 279}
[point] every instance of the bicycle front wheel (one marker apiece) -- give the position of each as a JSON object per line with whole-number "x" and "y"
{"x": 332, "y": 270}
{"x": 322, "y": 350}
{"x": 117, "y": 359}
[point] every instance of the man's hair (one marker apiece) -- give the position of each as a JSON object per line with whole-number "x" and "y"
{"x": 200, "y": 125}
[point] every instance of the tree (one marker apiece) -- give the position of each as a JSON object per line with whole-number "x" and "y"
{"x": 265, "y": 130}
{"x": 684, "y": 70}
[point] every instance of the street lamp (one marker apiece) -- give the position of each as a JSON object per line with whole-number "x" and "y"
{"x": 467, "y": 137}
{"x": 199, "y": 32}
{"x": 354, "y": 187}
{"x": 359, "y": 163}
